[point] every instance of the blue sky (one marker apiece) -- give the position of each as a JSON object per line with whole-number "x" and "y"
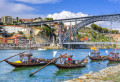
{"x": 94, "y": 7}
{"x": 70, "y": 8}
{"x": 34, "y": 8}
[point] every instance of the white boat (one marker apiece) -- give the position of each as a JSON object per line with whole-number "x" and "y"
{"x": 41, "y": 49}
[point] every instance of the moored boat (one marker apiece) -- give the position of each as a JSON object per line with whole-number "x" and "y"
{"x": 67, "y": 64}
{"x": 67, "y": 60}
{"x": 114, "y": 57}
{"x": 29, "y": 62}
{"x": 97, "y": 56}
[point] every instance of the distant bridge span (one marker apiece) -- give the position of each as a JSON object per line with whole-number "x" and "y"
{"x": 92, "y": 19}
{"x": 80, "y": 22}
{"x": 92, "y": 43}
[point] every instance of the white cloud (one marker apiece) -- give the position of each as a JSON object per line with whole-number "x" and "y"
{"x": 66, "y": 14}
{"x": 39, "y": 1}
{"x": 105, "y": 24}
{"x": 12, "y": 7}
{"x": 116, "y": 1}
{"x": 8, "y": 8}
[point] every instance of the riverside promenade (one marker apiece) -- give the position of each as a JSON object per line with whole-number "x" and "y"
{"x": 109, "y": 74}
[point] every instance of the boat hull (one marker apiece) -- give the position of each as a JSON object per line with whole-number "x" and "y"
{"x": 18, "y": 65}
{"x": 98, "y": 58}
{"x": 113, "y": 60}
{"x": 69, "y": 66}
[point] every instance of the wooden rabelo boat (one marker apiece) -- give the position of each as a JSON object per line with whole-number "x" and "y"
{"x": 26, "y": 60}
{"x": 96, "y": 56}
{"x": 66, "y": 62}
{"x": 114, "y": 57}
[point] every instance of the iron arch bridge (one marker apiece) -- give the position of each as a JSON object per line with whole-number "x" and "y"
{"x": 80, "y": 22}
{"x": 87, "y": 21}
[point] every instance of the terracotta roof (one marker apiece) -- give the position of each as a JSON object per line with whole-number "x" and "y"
{"x": 27, "y": 19}
{"x": 14, "y": 26}
{"x": 14, "y": 36}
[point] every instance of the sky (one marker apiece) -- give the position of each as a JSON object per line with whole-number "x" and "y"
{"x": 59, "y": 8}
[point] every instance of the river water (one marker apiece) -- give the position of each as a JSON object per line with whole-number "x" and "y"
{"x": 49, "y": 73}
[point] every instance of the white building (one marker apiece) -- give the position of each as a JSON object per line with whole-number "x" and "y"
{"x": 14, "y": 28}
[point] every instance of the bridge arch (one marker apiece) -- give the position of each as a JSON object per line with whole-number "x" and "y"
{"x": 87, "y": 21}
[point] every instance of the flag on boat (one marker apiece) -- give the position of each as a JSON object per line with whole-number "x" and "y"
{"x": 93, "y": 48}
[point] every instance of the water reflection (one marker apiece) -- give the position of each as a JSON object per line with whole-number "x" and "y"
{"x": 50, "y": 73}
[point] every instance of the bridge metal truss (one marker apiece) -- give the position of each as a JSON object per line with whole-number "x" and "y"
{"x": 91, "y": 19}
{"x": 80, "y": 22}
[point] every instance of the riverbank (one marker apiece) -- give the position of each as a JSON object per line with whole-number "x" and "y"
{"x": 58, "y": 46}
{"x": 109, "y": 74}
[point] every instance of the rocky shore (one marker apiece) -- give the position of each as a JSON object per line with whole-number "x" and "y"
{"x": 109, "y": 74}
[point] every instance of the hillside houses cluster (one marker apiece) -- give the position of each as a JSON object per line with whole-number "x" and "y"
{"x": 10, "y": 20}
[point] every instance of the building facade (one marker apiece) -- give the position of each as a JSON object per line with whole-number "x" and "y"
{"x": 7, "y": 19}
{"x": 14, "y": 28}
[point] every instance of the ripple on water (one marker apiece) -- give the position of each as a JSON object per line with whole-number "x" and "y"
{"x": 49, "y": 73}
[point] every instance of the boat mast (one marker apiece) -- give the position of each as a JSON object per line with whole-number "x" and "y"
{"x": 69, "y": 38}
{"x": 30, "y": 35}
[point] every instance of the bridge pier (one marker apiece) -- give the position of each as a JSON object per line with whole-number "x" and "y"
{"x": 77, "y": 46}
{"x": 87, "y": 46}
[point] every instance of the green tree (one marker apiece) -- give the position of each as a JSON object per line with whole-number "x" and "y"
{"x": 105, "y": 30}
{"x": 1, "y": 23}
{"x": 10, "y": 24}
{"x": 11, "y": 34}
{"x": 99, "y": 28}
{"x": 115, "y": 31}
{"x": 47, "y": 31}
{"x": 49, "y": 19}
{"x": 61, "y": 23}
{"x": 114, "y": 45}
{"x": 15, "y": 22}
{"x": 94, "y": 26}
{"x": 17, "y": 19}
{"x": 20, "y": 21}
{"x": 20, "y": 32}
{"x": 39, "y": 18}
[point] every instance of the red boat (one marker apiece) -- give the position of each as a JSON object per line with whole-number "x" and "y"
{"x": 114, "y": 57}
